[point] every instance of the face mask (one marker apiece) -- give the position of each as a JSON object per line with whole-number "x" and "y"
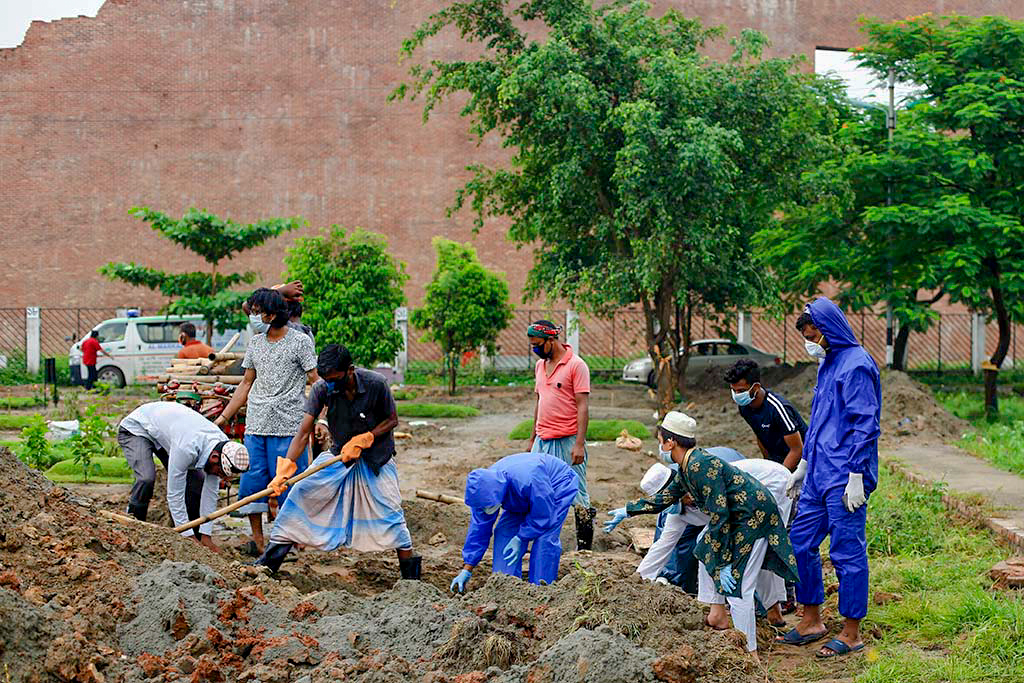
{"x": 257, "y": 323}
{"x": 541, "y": 353}
{"x": 742, "y": 398}
{"x": 666, "y": 456}
{"x": 491, "y": 509}
{"x": 814, "y": 349}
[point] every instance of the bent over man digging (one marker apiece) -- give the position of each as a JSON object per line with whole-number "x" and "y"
{"x": 355, "y": 503}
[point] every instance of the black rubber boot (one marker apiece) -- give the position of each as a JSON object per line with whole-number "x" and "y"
{"x": 584, "y": 528}
{"x": 410, "y": 567}
{"x": 138, "y": 511}
{"x": 274, "y": 555}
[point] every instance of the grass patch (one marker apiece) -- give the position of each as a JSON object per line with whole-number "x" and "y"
{"x": 404, "y": 394}
{"x": 598, "y": 430}
{"x": 112, "y": 471}
{"x": 16, "y": 402}
{"x": 1001, "y": 441}
{"x": 436, "y": 410}
{"x": 9, "y": 421}
{"x": 950, "y": 625}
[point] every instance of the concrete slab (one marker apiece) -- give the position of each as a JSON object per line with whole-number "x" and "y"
{"x": 965, "y": 474}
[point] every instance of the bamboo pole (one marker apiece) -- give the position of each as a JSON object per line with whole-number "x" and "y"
{"x": 224, "y": 355}
{"x": 209, "y": 379}
{"x": 256, "y": 496}
{"x": 231, "y": 342}
{"x": 439, "y": 497}
{"x": 189, "y": 361}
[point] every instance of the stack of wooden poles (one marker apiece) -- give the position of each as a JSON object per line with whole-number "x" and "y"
{"x": 204, "y": 376}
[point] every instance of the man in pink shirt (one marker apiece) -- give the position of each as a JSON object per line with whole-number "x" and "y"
{"x": 561, "y": 414}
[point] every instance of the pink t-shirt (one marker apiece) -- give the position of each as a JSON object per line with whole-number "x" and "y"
{"x": 556, "y": 409}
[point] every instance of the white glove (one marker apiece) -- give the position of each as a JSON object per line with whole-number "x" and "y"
{"x": 796, "y": 480}
{"x": 854, "y": 496}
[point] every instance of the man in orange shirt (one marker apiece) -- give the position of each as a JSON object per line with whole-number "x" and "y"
{"x": 191, "y": 347}
{"x": 561, "y": 415}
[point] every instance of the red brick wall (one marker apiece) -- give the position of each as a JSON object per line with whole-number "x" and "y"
{"x": 257, "y": 108}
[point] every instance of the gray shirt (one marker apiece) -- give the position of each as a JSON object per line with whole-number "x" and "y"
{"x": 276, "y": 398}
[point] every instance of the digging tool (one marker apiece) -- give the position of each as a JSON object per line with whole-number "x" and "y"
{"x": 256, "y": 496}
{"x": 439, "y": 497}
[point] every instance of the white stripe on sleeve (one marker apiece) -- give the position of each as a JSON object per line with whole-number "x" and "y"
{"x": 786, "y": 419}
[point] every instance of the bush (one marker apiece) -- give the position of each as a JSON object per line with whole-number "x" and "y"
{"x": 436, "y": 410}
{"x": 34, "y": 449}
{"x": 16, "y": 371}
{"x": 597, "y": 430}
{"x": 103, "y": 470}
{"x": 14, "y": 421}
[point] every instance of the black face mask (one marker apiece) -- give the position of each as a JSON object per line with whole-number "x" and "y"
{"x": 541, "y": 353}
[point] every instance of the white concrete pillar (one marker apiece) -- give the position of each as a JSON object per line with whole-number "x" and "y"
{"x": 32, "y": 334}
{"x": 402, "y": 323}
{"x": 572, "y": 330}
{"x": 977, "y": 342}
{"x": 743, "y": 328}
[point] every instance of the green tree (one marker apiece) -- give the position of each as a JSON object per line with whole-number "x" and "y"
{"x": 352, "y": 287}
{"x": 639, "y": 168}
{"x": 214, "y": 240}
{"x": 957, "y": 169}
{"x": 466, "y": 305}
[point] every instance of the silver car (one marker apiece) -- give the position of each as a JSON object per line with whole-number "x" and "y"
{"x": 704, "y": 354}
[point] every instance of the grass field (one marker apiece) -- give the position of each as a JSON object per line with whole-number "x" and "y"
{"x": 16, "y": 402}
{"x": 598, "y": 430}
{"x": 1000, "y": 442}
{"x": 949, "y": 623}
{"x": 15, "y": 421}
{"x": 406, "y": 410}
{"x": 112, "y": 471}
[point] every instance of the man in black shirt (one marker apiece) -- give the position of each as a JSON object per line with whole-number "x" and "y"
{"x": 355, "y": 503}
{"x": 777, "y": 425}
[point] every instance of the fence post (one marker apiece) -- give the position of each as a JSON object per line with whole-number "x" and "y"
{"x": 977, "y": 342}
{"x": 572, "y": 330}
{"x": 32, "y": 333}
{"x": 402, "y": 323}
{"x": 743, "y": 325}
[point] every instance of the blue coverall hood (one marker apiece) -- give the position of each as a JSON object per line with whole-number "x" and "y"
{"x": 829, "y": 319}
{"x": 485, "y": 487}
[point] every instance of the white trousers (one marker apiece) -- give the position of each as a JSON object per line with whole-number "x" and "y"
{"x": 661, "y": 551}
{"x": 741, "y": 608}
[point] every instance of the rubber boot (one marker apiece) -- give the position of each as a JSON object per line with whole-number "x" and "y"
{"x": 138, "y": 511}
{"x": 410, "y": 567}
{"x": 584, "y": 527}
{"x": 274, "y": 555}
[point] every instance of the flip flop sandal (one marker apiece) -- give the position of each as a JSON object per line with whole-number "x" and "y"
{"x": 778, "y": 624}
{"x": 793, "y": 637}
{"x": 714, "y": 628}
{"x": 839, "y": 648}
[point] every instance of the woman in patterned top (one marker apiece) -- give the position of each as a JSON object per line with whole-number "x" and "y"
{"x": 745, "y": 533}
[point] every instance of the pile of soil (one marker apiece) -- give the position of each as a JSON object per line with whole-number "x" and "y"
{"x": 87, "y": 598}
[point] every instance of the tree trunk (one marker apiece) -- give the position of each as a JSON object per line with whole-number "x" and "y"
{"x": 683, "y": 337}
{"x": 899, "y": 350}
{"x": 1002, "y": 347}
{"x": 213, "y": 293}
{"x": 657, "y": 316}
{"x": 452, "y": 361}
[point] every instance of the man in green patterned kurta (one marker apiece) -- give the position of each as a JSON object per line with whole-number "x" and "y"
{"x": 745, "y": 533}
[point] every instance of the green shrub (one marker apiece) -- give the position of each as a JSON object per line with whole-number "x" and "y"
{"x": 597, "y": 430}
{"x": 34, "y": 449}
{"x": 404, "y": 394}
{"x": 90, "y": 443}
{"x": 436, "y": 410}
{"x": 103, "y": 470}
{"x": 15, "y": 421}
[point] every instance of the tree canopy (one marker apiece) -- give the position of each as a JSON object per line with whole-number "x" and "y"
{"x": 466, "y": 305}
{"x": 639, "y": 169}
{"x": 214, "y": 239}
{"x": 352, "y": 286}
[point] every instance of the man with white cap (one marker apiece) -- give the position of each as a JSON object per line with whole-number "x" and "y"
{"x": 744, "y": 533}
{"x": 185, "y": 441}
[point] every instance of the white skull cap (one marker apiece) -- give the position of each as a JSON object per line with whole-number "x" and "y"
{"x": 681, "y": 424}
{"x": 655, "y": 479}
{"x": 234, "y": 458}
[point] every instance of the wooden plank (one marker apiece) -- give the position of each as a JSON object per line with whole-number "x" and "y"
{"x": 642, "y": 538}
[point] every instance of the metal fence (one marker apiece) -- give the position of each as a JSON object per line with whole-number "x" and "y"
{"x": 62, "y": 327}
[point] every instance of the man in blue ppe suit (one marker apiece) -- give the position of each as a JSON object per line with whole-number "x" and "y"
{"x": 838, "y": 472}
{"x": 534, "y": 492}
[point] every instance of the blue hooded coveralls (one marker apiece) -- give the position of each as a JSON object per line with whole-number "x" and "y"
{"x": 842, "y": 437}
{"x": 535, "y": 492}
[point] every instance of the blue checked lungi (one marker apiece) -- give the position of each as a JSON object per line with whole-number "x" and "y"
{"x": 562, "y": 448}
{"x": 347, "y": 507}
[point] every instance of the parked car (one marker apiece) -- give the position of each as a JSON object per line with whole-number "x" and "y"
{"x": 142, "y": 346}
{"x": 704, "y": 354}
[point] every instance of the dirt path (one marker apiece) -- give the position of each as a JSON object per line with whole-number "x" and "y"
{"x": 968, "y": 475}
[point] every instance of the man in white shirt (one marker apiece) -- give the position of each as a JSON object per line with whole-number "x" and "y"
{"x": 186, "y": 443}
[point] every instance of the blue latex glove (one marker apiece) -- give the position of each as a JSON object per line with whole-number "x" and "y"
{"x": 460, "y": 581}
{"x": 616, "y": 519}
{"x": 512, "y": 548}
{"x": 725, "y": 578}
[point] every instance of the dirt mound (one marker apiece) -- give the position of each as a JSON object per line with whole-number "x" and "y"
{"x": 910, "y": 412}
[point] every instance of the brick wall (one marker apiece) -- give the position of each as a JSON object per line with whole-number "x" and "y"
{"x": 257, "y": 108}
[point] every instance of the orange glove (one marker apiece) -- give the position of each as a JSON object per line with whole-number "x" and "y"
{"x": 354, "y": 448}
{"x": 285, "y": 469}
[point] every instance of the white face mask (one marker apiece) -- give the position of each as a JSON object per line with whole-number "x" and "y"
{"x": 814, "y": 349}
{"x": 491, "y": 509}
{"x": 258, "y": 326}
{"x": 666, "y": 456}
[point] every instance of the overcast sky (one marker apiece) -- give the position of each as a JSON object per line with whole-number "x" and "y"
{"x": 16, "y": 15}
